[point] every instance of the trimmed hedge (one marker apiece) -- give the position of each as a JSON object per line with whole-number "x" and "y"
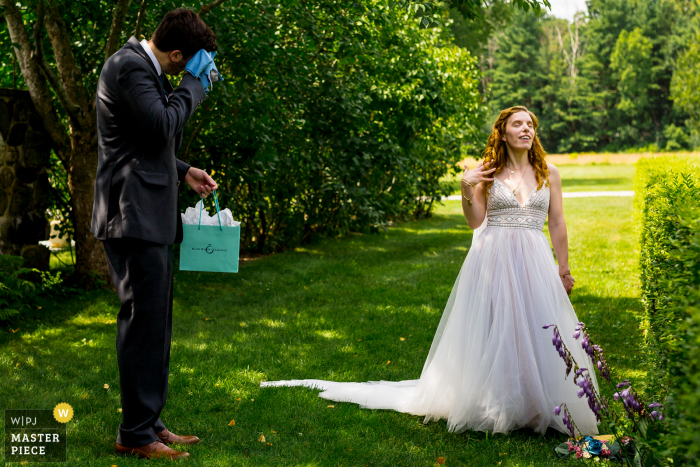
{"x": 668, "y": 209}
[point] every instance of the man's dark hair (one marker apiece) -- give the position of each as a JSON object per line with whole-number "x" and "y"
{"x": 183, "y": 30}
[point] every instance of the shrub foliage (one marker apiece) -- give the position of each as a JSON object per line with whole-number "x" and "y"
{"x": 668, "y": 209}
{"x": 335, "y": 116}
{"x": 20, "y": 287}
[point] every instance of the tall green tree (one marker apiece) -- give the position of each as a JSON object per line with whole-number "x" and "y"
{"x": 337, "y": 119}
{"x": 567, "y": 119}
{"x": 686, "y": 78}
{"x": 642, "y": 62}
{"x": 518, "y": 74}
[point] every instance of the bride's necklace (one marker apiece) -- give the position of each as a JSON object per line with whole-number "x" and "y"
{"x": 521, "y": 179}
{"x": 513, "y": 171}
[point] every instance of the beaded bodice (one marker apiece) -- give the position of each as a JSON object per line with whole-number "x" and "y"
{"x": 504, "y": 210}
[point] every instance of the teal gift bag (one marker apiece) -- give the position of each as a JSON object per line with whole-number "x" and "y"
{"x": 210, "y": 248}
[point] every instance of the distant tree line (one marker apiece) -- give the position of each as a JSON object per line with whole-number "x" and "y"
{"x": 623, "y": 76}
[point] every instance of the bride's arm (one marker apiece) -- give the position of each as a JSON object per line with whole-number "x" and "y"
{"x": 473, "y": 195}
{"x": 557, "y": 228}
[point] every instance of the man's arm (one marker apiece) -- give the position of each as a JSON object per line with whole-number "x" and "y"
{"x": 182, "y": 168}
{"x": 142, "y": 99}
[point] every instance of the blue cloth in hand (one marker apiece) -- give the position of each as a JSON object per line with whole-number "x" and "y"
{"x": 201, "y": 65}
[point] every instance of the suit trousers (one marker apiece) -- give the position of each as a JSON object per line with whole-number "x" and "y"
{"x": 142, "y": 274}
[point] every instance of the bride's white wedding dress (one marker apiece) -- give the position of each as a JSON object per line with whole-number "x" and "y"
{"x": 491, "y": 365}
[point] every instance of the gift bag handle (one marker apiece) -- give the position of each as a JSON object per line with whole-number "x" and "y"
{"x": 216, "y": 204}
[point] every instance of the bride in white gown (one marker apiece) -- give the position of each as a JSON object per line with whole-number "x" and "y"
{"x": 491, "y": 365}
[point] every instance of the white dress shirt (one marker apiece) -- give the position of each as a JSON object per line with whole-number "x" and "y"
{"x": 144, "y": 44}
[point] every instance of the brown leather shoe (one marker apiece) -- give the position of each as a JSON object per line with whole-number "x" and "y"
{"x": 171, "y": 438}
{"x": 154, "y": 450}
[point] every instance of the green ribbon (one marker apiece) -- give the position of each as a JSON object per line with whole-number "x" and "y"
{"x": 216, "y": 204}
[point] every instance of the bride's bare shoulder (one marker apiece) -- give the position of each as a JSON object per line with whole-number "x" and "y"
{"x": 553, "y": 171}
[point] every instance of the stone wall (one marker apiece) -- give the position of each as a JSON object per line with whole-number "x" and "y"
{"x": 24, "y": 182}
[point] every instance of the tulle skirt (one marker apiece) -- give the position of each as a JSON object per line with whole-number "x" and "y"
{"x": 491, "y": 365}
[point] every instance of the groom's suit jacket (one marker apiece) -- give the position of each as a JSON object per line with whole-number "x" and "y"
{"x": 139, "y": 132}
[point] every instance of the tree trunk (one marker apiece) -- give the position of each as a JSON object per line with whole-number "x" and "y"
{"x": 81, "y": 180}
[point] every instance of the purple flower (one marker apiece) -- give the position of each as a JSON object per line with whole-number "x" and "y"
{"x": 616, "y": 396}
{"x": 547, "y": 326}
{"x": 600, "y": 365}
{"x": 654, "y": 404}
{"x": 581, "y": 393}
{"x": 557, "y": 409}
{"x": 586, "y": 345}
{"x": 623, "y": 384}
{"x": 577, "y": 334}
{"x": 661, "y": 416}
{"x": 654, "y": 414}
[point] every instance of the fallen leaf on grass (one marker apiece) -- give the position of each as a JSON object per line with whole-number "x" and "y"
{"x": 38, "y": 308}
{"x": 331, "y": 407}
{"x": 388, "y": 361}
{"x": 106, "y": 386}
{"x": 262, "y": 438}
{"x": 441, "y": 460}
{"x": 275, "y": 432}
{"x": 232, "y": 422}
{"x": 402, "y": 338}
{"x": 238, "y": 399}
{"x": 14, "y": 330}
{"x": 252, "y": 400}
{"x": 119, "y": 410}
{"x": 17, "y": 365}
{"x": 269, "y": 444}
{"x": 206, "y": 319}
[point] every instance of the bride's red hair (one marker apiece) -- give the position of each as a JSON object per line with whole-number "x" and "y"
{"x": 497, "y": 152}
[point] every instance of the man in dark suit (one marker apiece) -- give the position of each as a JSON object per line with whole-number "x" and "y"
{"x": 140, "y": 119}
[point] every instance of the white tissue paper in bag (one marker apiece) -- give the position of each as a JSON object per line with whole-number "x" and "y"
{"x": 191, "y": 216}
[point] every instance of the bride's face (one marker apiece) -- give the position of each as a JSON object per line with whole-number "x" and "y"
{"x": 520, "y": 131}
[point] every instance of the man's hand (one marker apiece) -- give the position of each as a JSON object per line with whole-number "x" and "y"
{"x": 200, "y": 182}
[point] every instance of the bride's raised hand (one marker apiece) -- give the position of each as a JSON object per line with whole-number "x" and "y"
{"x": 478, "y": 174}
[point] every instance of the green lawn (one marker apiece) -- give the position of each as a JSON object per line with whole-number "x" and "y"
{"x": 332, "y": 310}
{"x": 602, "y": 177}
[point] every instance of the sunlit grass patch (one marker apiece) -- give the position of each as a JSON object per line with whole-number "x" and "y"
{"x": 335, "y": 310}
